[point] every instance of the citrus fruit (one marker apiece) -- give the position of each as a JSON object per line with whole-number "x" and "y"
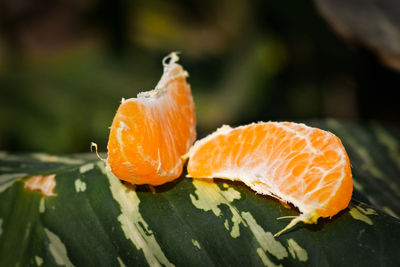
{"x": 150, "y": 133}
{"x": 294, "y": 163}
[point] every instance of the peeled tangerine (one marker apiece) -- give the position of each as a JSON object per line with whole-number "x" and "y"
{"x": 292, "y": 162}
{"x": 150, "y": 133}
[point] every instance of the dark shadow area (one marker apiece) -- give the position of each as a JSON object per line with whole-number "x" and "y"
{"x": 64, "y": 67}
{"x": 154, "y": 189}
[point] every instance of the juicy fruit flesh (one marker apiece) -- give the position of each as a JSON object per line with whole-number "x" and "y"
{"x": 150, "y": 133}
{"x": 305, "y": 166}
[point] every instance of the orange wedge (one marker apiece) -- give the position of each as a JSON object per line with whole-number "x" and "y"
{"x": 150, "y": 133}
{"x": 294, "y": 163}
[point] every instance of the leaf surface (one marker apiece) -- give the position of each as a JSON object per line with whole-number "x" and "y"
{"x": 93, "y": 219}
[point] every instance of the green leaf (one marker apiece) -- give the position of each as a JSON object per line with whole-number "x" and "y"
{"x": 93, "y": 219}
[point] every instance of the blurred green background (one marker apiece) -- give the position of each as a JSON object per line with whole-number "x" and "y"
{"x": 65, "y": 65}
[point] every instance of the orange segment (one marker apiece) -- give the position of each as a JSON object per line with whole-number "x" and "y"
{"x": 150, "y": 133}
{"x": 305, "y": 166}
